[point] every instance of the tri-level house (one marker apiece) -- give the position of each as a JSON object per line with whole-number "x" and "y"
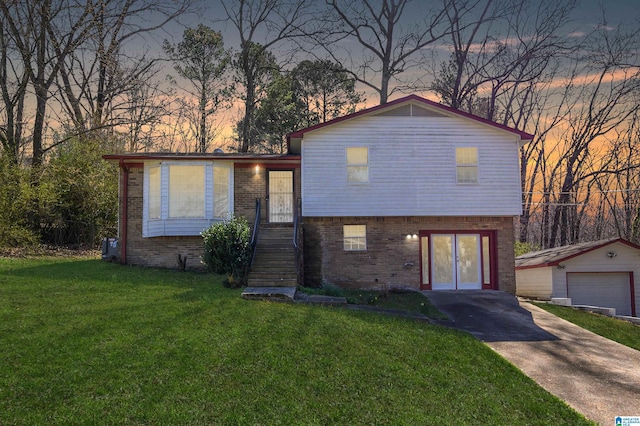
{"x": 411, "y": 193}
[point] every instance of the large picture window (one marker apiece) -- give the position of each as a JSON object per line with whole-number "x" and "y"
{"x": 183, "y": 198}
{"x": 186, "y": 191}
{"x": 358, "y": 165}
{"x": 467, "y": 165}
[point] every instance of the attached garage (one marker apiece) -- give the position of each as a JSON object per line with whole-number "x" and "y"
{"x": 598, "y": 273}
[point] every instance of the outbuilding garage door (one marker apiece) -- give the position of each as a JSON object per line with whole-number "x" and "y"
{"x": 609, "y": 290}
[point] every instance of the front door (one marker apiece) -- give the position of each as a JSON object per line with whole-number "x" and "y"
{"x": 280, "y": 196}
{"x": 455, "y": 262}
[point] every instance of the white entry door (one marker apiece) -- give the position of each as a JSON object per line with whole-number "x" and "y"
{"x": 456, "y": 262}
{"x": 281, "y": 196}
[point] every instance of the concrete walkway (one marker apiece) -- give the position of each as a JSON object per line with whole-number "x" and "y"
{"x": 596, "y": 376}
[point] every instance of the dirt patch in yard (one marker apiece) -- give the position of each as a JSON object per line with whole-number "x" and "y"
{"x": 49, "y": 251}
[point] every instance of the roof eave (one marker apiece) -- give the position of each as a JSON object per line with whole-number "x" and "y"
{"x": 557, "y": 262}
{"x": 182, "y": 157}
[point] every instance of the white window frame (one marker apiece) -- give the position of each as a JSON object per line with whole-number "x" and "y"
{"x": 154, "y": 203}
{"x": 465, "y": 163}
{"x": 222, "y": 204}
{"x": 185, "y": 225}
{"x": 353, "y": 165}
{"x": 354, "y": 237}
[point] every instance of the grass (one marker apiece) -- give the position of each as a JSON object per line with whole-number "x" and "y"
{"x": 405, "y": 300}
{"x": 89, "y": 342}
{"x": 614, "y": 329}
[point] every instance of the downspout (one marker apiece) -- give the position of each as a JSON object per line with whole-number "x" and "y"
{"x": 125, "y": 198}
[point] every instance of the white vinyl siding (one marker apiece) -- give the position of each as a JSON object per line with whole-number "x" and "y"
{"x": 535, "y": 283}
{"x": 355, "y": 237}
{"x": 189, "y": 200}
{"x": 411, "y": 169}
{"x": 467, "y": 165}
{"x": 357, "y": 164}
{"x": 186, "y": 191}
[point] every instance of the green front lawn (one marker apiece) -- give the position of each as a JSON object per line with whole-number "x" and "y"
{"x": 404, "y": 300}
{"x": 612, "y": 328}
{"x": 89, "y": 342}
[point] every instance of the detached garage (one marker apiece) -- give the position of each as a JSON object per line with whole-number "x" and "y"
{"x": 598, "y": 273}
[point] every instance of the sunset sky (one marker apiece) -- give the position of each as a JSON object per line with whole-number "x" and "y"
{"x": 586, "y": 17}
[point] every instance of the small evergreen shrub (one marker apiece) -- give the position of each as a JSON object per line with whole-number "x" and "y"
{"x": 227, "y": 250}
{"x": 521, "y": 248}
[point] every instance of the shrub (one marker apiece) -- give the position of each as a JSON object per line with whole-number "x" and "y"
{"x": 521, "y": 248}
{"x": 227, "y": 250}
{"x": 78, "y": 195}
{"x": 16, "y": 202}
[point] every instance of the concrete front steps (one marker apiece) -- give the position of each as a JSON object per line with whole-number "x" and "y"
{"x": 274, "y": 264}
{"x": 284, "y": 294}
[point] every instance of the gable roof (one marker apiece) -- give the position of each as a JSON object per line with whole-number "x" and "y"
{"x": 553, "y": 256}
{"x": 446, "y": 110}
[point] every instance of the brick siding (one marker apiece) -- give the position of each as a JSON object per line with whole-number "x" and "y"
{"x": 163, "y": 251}
{"x": 392, "y": 260}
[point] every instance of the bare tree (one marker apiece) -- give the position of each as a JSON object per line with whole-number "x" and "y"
{"x": 13, "y": 89}
{"x": 261, "y": 25}
{"x": 44, "y": 33}
{"x": 617, "y": 183}
{"x": 391, "y": 35}
{"x": 99, "y": 78}
{"x": 143, "y": 108}
{"x": 498, "y": 49}
{"x": 609, "y": 83}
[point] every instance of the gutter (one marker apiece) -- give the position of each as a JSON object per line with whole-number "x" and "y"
{"x": 125, "y": 198}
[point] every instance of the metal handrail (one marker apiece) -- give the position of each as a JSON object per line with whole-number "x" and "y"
{"x": 296, "y": 219}
{"x": 254, "y": 234}
{"x": 296, "y": 238}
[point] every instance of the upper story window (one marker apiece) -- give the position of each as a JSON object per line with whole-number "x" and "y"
{"x": 467, "y": 165}
{"x": 358, "y": 165}
{"x": 355, "y": 237}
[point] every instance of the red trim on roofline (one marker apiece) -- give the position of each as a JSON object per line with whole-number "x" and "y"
{"x": 300, "y": 133}
{"x": 256, "y": 158}
{"x": 580, "y": 253}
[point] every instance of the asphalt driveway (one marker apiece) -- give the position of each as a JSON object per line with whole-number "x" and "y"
{"x": 596, "y": 376}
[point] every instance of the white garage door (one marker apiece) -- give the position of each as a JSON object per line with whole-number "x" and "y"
{"x": 609, "y": 290}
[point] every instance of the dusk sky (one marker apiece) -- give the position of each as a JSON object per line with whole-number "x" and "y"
{"x": 585, "y": 18}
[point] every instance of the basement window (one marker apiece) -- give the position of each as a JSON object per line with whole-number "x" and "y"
{"x": 355, "y": 237}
